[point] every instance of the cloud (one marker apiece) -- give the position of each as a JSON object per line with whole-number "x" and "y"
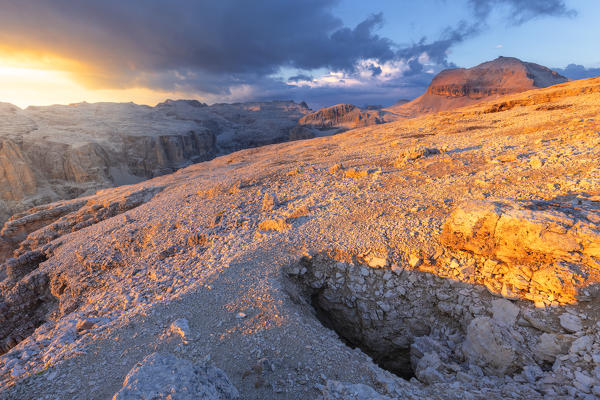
{"x": 521, "y": 11}
{"x": 234, "y": 50}
{"x": 575, "y": 72}
{"x": 300, "y": 78}
{"x": 127, "y": 43}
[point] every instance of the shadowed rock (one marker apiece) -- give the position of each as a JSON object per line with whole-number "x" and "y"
{"x": 161, "y": 376}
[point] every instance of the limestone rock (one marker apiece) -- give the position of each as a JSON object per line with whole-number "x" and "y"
{"x": 343, "y": 116}
{"x": 571, "y": 323}
{"x": 181, "y": 328}
{"x": 492, "y": 346}
{"x": 334, "y": 390}
{"x": 524, "y": 231}
{"x": 61, "y": 152}
{"x": 460, "y": 87}
{"x": 505, "y": 311}
{"x": 414, "y": 153}
{"x": 559, "y": 240}
{"x": 551, "y": 345}
{"x": 300, "y": 133}
{"x": 582, "y": 344}
{"x": 161, "y": 376}
{"x": 427, "y": 370}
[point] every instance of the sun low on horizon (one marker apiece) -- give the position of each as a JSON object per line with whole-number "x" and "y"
{"x": 28, "y": 84}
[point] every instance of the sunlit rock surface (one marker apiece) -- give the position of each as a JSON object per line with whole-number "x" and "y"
{"x": 448, "y": 256}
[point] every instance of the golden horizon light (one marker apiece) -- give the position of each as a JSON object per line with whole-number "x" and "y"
{"x": 23, "y": 83}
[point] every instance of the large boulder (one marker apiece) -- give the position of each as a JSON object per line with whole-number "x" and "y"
{"x": 164, "y": 376}
{"x": 493, "y": 346}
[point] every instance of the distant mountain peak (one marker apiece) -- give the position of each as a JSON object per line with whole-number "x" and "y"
{"x": 459, "y": 87}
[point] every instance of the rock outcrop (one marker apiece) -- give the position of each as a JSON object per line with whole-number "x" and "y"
{"x": 344, "y": 116}
{"x": 461, "y": 87}
{"x": 164, "y": 376}
{"x": 540, "y": 249}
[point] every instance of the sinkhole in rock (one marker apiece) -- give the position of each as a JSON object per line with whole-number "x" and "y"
{"x": 415, "y": 323}
{"x": 395, "y": 360}
{"x": 388, "y": 315}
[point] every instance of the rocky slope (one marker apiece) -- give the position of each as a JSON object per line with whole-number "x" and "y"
{"x": 61, "y": 152}
{"x": 454, "y": 88}
{"x": 449, "y": 256}
{"x": 345, "y": 116}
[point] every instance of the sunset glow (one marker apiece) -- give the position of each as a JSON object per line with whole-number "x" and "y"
{"x": 23, "y": 85}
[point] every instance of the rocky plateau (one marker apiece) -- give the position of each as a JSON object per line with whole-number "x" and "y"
{"x": 454, "y": 255}
{"x": 61, "y": 152}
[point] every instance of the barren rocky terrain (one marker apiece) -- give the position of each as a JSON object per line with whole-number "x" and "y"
{"x": 61, "y": 152}
{"x": 451, "y": 256}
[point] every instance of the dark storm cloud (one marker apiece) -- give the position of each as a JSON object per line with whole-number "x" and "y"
{"x": 575, "y": 72}
{"x": 300, "y": 77}
{"x": 128, "y": 41}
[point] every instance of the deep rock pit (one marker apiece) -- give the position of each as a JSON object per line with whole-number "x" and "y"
{"x": 416, "y": 324}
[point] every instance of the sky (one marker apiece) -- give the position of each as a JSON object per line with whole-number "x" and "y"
{"x": 323, "y": 52}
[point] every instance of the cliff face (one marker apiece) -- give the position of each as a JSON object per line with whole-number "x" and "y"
{"x": 346, "y": 116}
{"x": 61, "y": 152}
{"x": 460, "y": 87}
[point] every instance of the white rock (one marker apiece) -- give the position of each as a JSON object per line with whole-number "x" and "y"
{"x": 376, "y": 262}
{"x": 505, "y": 311}
{"x": 427, "y": 369}
{"x": 550, "y": 345}
{"x": 570, "y": 322}
{"x": 584, "y": 379}
{"x": 180, "y": 327}
{"x": 491, "y": 346}
{"x": 161, "y": 376}
{"x": 414, "y": 260}
{"x": 581, "y": 344}
{"x": 343, "y": 390}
